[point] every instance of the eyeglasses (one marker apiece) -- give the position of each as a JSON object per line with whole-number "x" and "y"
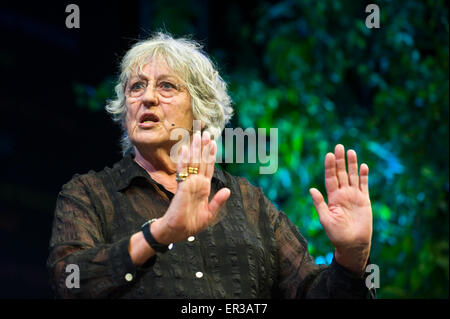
{"x": 164, "y": 88}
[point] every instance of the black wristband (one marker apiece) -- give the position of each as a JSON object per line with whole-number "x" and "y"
{"x": 150, "y": 239}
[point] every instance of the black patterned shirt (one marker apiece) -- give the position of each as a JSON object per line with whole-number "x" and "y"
{"x": 251, "y": 250}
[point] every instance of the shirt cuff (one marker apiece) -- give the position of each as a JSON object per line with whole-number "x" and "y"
{"x": 347, "y": 284}
{"x": 122, "y": 269}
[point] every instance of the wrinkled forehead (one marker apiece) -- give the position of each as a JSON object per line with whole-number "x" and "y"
{"x": 153, "y": 67}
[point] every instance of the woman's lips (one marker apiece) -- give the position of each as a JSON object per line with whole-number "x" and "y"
{"x": 148, "y": 120}
{"x": 147, "y": 124}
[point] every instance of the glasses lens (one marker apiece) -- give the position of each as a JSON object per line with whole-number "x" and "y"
{"x": 137, "y": 88}
{"x": 165, "y": 89}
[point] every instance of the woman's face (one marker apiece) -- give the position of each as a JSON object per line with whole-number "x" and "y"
{"x": 152, "y": 111}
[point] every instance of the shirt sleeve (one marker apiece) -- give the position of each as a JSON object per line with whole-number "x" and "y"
{"x": 300, "y": 276}
{"x": 78, "y": 239}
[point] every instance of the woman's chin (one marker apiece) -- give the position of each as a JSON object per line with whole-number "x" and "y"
{"x": 149, "y": 140}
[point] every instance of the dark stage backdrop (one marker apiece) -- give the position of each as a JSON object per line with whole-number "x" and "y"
{"x": 312, "y": 69}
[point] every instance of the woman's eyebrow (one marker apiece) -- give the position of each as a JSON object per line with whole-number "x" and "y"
{"x": 160, "y": 77}
{"x": 139, "y": 76}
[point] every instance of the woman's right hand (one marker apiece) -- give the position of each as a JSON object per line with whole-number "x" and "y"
{"x": 190, "y": 212}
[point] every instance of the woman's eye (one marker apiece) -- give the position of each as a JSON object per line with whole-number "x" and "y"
{"x": 137, "y": 86}
{"x": 167, "y": 86}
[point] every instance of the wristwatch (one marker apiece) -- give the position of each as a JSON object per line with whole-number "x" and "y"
{"x": 150, "y": 239}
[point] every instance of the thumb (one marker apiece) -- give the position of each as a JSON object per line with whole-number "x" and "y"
{"x": 319, "y": 203}
{"x": 218, "y": 200}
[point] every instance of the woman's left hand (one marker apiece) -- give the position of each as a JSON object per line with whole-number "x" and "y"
{"x": 347, "y": 219}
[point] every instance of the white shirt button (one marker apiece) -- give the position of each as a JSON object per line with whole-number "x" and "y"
{"x": 191, "y": 238}
{"x": 199, "y": 274}
{"x": 170, "y": 246}
{"x": 128, "y": 277}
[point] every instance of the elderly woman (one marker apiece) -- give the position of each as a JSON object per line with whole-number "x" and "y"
{"x": 157, "y": 227}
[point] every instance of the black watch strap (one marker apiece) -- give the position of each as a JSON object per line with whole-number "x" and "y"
{"x": 150, "y": 239}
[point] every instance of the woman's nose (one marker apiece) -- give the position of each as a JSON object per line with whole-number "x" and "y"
{"x": 150, "y": 96}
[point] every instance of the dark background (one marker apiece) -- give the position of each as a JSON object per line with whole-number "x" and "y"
{"x": 45, "y": 136}
{"x": 367, "y": 89}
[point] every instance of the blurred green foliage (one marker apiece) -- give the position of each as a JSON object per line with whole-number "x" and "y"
{"x": 326, "y": 79}
{"x": 314, "y": 71}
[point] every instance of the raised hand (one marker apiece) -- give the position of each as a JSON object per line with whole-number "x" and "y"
{"x": 190, "y": 211}
{"x": 347, "y": 219}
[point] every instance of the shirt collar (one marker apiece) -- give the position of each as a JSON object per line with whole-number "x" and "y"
{"x": 128, "y": 170}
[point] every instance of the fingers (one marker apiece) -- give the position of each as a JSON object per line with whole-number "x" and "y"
{"x": 195, "y": 151}
{"x": 331, "y": 181}
{"x": 336, "y": 174}
{"x": 206, "y": 141}
{"x": 200, "y": 151}
{"x": 352, "y": 168}
{"x": 340, "y": 165}
{"x": 335, "y": 170}
{"x": 218, "y": 201}
{"x": 212, "y": 146}
{"x": 364, "y": 178}
{"x": 319, "y": 204}
{"x": 183, "y": 160}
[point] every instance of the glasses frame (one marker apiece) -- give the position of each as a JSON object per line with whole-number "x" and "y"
{"x": 178, "y": 86}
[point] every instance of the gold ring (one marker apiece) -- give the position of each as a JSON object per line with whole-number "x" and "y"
{"x": 181, "y": 177}
{"x": 192, "y": 170}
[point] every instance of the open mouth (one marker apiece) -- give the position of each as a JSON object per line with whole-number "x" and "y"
{"x": 149, "y": 118}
